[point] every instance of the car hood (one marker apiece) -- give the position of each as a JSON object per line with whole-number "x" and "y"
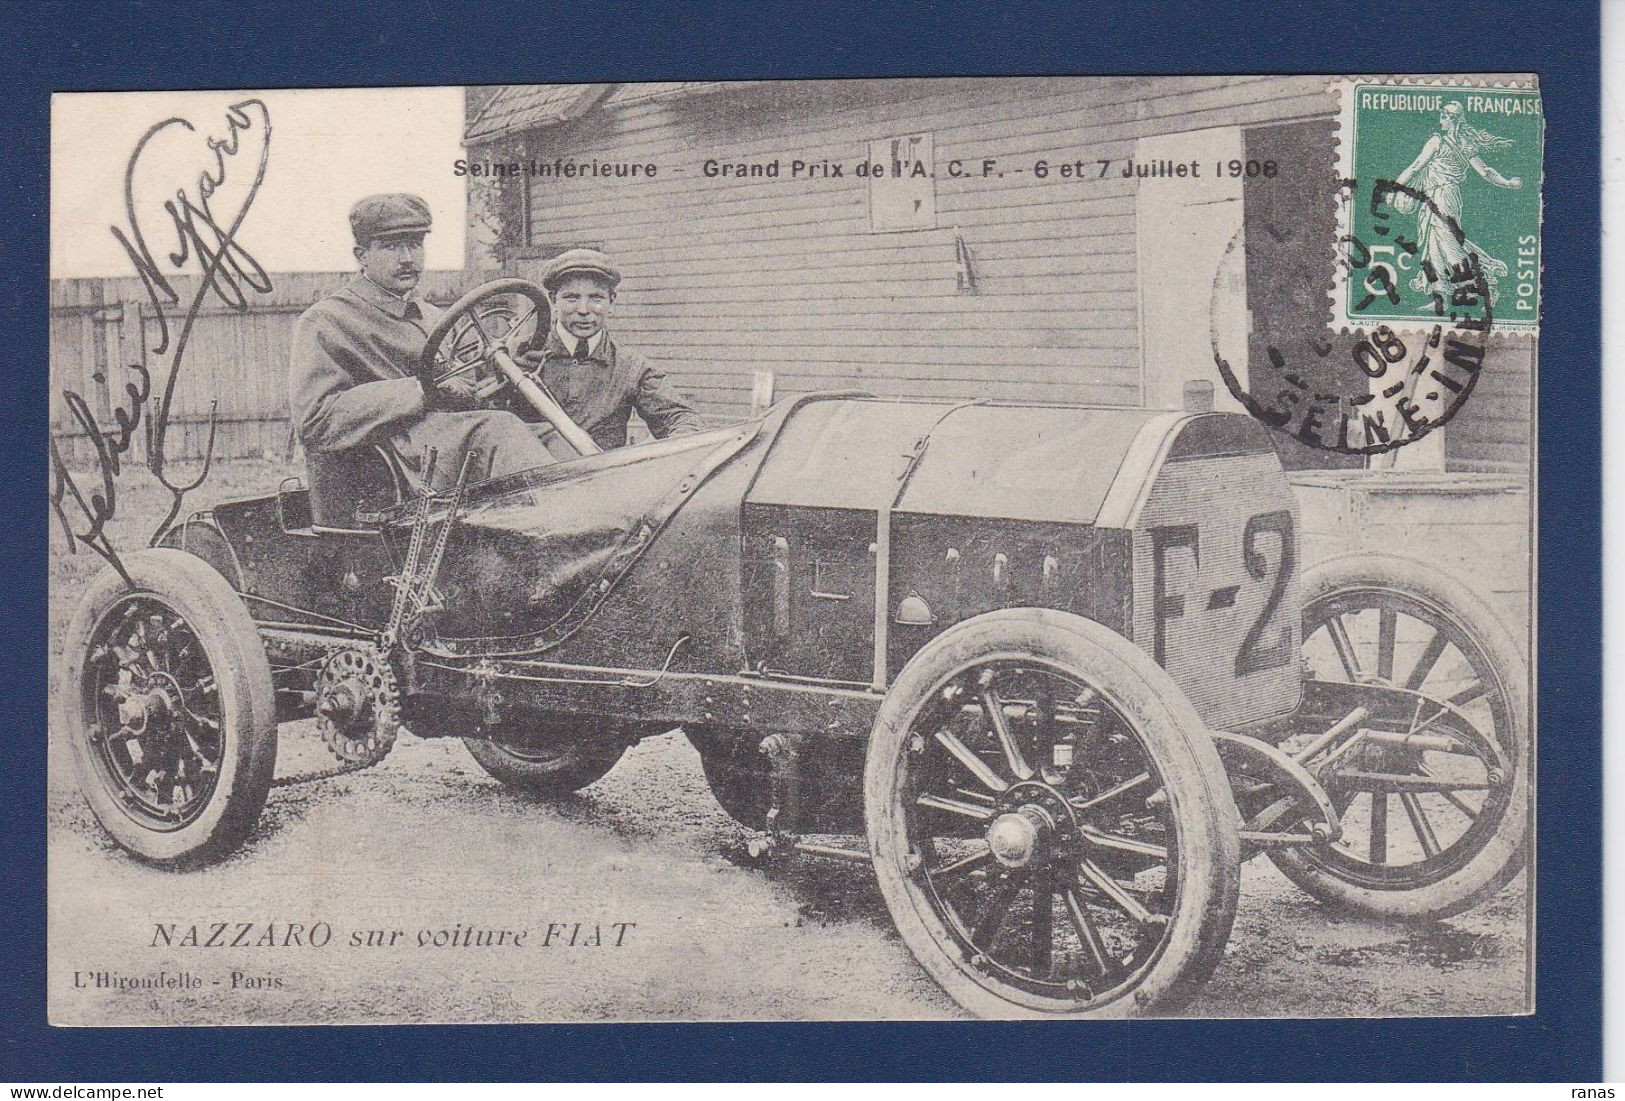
{"x": 1038, "y": 463}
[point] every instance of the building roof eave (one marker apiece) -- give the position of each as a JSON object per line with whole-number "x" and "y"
{"x": 516, "y": 108}
{"x": 519, "y": 108}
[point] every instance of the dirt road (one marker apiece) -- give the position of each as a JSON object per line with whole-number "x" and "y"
{"x": 426, "y": 846}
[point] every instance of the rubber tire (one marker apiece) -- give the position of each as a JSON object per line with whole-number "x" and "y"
{"x": 736, "y": 772}
{"x": 231, "y": 641}
{"x": 550, "y": 770}
{"x": 1502, "y": 856}
{"x": 1173, "y": 736}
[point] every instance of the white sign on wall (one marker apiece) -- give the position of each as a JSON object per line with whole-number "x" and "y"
{"x": 902, "y": 183}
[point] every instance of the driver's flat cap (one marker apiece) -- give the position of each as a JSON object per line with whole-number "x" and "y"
{"x": 580, "y": 261}
{"x": 392, "y": 214}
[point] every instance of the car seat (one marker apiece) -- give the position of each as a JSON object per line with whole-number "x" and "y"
{"x": 345, "y": 484}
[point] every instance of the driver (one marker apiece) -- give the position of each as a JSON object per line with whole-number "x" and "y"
{"x": 351, "y": 381}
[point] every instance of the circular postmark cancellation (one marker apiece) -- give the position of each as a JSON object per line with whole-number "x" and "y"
{"x": 1437, "y": 186}
{"x": 1374, "y": 390}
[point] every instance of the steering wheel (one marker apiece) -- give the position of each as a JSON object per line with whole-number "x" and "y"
{"x": 479, "y": 335}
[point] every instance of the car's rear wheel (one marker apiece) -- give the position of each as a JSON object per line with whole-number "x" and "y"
{"x": 550, "y": 763}
{"x": 737, "y": 772}
{"x": 1433, "y": 786}
{"x": 1051, "y": 827}
{"x": 168, "y": 706}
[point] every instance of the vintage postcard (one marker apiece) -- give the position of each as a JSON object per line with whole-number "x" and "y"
{"x": 784, "y": 550}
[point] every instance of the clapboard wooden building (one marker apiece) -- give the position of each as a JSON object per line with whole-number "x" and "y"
{"x": 1002, "y": 253}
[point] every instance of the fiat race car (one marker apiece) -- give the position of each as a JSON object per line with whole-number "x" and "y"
{"x": 1053, "y": 671}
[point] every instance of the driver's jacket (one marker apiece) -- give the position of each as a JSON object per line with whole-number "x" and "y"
{"x": 601, "y": 392}
{"x": 352, "y": 354}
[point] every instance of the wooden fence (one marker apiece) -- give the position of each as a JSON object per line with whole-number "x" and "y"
{"x": 235, "y": 361}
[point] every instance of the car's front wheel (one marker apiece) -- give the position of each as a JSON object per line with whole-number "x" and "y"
{"x": 1051, "y": 827}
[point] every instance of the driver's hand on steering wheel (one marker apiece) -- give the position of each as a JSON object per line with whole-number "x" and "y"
{"x": 460, "y": 392}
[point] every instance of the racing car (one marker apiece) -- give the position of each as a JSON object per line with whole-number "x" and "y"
{"x": 1053, "y": 671}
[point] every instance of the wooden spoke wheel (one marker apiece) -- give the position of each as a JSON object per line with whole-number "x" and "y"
{"x": 1051, "y": 827}
{"x": 169, "y": 709}
{"x": 1432, "y": 785}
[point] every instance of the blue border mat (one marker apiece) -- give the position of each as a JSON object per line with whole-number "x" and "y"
{"x": 56, "y": 46}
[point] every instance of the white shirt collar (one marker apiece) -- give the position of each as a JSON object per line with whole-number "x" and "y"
{"x": 570, "y": 340}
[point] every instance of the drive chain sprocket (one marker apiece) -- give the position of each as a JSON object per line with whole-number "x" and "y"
{"x": 357, "y": 705}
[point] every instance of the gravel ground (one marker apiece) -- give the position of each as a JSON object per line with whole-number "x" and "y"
{"x": 642, "y": 871}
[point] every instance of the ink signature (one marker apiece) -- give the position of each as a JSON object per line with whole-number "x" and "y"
{"x": 101, "y": 503}
{"x": 227, "y": 271}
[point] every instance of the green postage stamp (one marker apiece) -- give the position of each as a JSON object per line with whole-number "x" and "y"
{"x": 1441, "y": 186}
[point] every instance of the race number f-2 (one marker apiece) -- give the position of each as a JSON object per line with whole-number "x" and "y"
{"x": 1263, "y": 563}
